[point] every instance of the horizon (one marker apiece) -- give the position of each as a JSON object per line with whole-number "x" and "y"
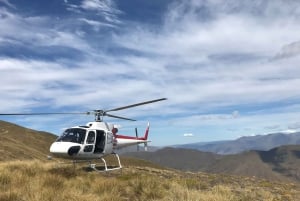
{"x": 228, "y": 68}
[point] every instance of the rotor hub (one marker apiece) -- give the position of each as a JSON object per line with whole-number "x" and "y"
{"x": 99, "y": 115}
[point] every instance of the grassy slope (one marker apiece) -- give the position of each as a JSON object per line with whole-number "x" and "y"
{"x": 21, "y": 143}
{"x": 35, "y": 181}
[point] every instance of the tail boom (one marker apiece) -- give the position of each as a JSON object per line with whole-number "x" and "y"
{"x": 125, "y": 140}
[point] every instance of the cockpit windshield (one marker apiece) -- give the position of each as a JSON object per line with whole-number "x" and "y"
{"x": 76, "y": 135}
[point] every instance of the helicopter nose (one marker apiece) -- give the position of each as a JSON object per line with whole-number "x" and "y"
{"x": 73, "y": 150}
{"x": 64, "y": 149}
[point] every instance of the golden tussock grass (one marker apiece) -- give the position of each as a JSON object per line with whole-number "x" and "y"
{"x": 48, "y": 181}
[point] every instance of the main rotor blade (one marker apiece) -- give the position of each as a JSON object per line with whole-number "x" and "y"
{"x": 118, "y": 117}
{"x": 134, "y": 105}
{"x": 44, "y": 113}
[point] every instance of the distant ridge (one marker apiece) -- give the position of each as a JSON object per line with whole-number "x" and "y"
{"x": 19, "y": 143}
{"x": 280, "y": 163}
{"x": 258, "y": 142}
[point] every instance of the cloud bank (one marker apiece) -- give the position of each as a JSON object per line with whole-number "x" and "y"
{"x": 209, "y": 58}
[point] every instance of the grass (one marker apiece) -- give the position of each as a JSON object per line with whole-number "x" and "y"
{"x": 48, "y": 181}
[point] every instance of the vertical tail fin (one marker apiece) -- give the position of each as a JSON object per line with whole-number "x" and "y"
{"x": 146, "y": 132}
{"x": 137, "y": 137}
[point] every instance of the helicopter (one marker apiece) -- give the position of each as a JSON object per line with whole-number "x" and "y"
{"x": 96, "y": 139}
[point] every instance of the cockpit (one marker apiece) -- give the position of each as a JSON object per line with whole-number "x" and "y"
{"x": 76, "y": 135}
{"x": 92, "y": 140}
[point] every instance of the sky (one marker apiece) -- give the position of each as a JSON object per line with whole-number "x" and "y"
{"x": 228, "y": 68}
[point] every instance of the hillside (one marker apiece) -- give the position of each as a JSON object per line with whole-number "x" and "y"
{"x": 17, "y": 142}
{"x": 280, "y": 164}
{"x": 246, "y": 143}
{"x": 181, "y": 159}
{"x": 284, "y": 160}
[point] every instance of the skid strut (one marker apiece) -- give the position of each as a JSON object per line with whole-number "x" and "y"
{"x": 107, "y": 168}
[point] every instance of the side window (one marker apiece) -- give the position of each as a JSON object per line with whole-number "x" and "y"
{"x": 91, "y": 137}
{"x": 109, "y": 138}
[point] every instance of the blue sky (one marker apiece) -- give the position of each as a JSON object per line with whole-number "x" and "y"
{"x": 228, "y": 68}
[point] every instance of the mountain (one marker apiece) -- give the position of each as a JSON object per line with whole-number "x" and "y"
{"x": 19, "y": 143}
{"x": 258, "y": 142}
{"x": 178, "y": 158}
{"x": 281, "y": 163}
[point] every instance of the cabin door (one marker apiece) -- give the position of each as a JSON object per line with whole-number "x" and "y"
{"x": 100, "y": 141}
{"x": 90, "y": 142}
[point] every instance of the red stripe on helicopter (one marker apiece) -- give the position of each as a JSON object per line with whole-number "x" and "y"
{"x": 134, "y": 138}
{"x": 129, "y": 137}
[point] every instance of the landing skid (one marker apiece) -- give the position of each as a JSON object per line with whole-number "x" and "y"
{"x": 107, "y": 168}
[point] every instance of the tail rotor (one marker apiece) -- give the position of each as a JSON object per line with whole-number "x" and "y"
{"x": 137, "y": 137}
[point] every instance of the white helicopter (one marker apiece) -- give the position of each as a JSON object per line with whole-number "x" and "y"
{"x": 96, "y": 139}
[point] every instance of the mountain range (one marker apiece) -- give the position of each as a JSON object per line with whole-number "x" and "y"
{"x": 257, "y": 142}
{"x": 281, "y": 163}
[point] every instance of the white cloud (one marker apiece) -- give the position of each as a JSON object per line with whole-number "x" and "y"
{"x": 294, "y": 126}
{"x": 290, "y": 50}
{"x": 196, "y": 37}
{"x": 188, "y": 135}
{"x": 209, "y": 58}
{"x": 186, "y": 47}
{"x": 101, "y": 5}
{"x": 105, "y": 8}
{"x": 196, "y": 84}
{"x": 289, "y": 131}
{"x": 96, "y": 24}
{"x": 37, "y": 32}
{"x": 7, "y": 3}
